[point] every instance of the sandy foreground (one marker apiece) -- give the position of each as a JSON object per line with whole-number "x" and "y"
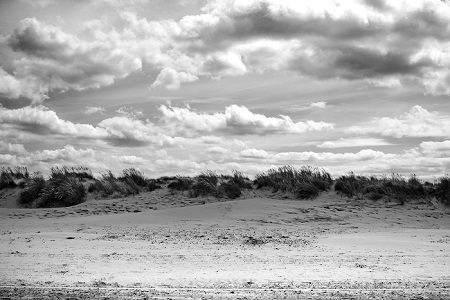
{"x": 162, "y": 246}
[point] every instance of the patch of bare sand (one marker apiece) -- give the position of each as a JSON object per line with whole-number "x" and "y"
{"x": 255, "y": 243}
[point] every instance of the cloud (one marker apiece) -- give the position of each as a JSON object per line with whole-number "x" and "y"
{"x": 132, "y": 160}
{"x": 10, "y": 87}
{"x": 41, "y": 120}
{"x": 224, "y": 64}
{"x": 65, "y": 155}
{"x": 171, "y": 79}
{"x": 92, "y": 110}
{"x": 319, "y": 104}
{"x": 54, "y": 59}
{"x": 235, "y": 120}
{"x": 386, "y": 44}
{"x": 436, "y": 149}
{"x": 254, "y": 153}
{"x": 216, "y": 150}
{"x": 12, "y": 148}
{"x": 129, "y": 112}
{"x": 418, "y": 122}
{"x": 354, "y": 142}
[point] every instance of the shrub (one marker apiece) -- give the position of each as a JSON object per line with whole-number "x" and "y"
{"x": 240, "y": 180}
{"x": 307, "y": 190}
{"x": 61, "y": 189}
{"x": 32, "y": 189}
{"x": 205, "y": 187}
{"x": 133, "y": 175}
{"x": 230, "y": 189}
{"x": 351, "y": 185}
{"x": 80, "y": 172}
{"x": 9, "y": 176}
{"x": 152, "y": 184}
{"x": 209, "y": 177}
{"x": 6, "y": 181}
{"x": 307, "y": 182}
{"x": 181, "y": 184}
{"x": 442, "y": 190}
{"x": 391, "y": 187}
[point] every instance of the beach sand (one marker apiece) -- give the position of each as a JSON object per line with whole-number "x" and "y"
{"x": 162, "y": 245}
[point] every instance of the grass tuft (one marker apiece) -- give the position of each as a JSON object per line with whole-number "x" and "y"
{"x": 307, "y": 182}
{"x": 442, "y": 190}
{"x": 33, "y": 187}
{"x": 61, "y": 190}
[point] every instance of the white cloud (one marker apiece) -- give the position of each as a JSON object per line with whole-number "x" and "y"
{"x": 354, "y": 142}
{"x": 12, "y": 148}
{"x": 41, "y": 120}
{"x": 171, "y": 79}
{"x": 235, "y": 120}
{"x": 10, "y": 87}
{"x": 92, "y": 110}
{"x": 254, "y": 153}
{"x": 133, "y": 160}
{"x": 319, "y": 104}
{"x": 129, "y": 112}
{"x": 65, "y": 155}
{"x": 53, "y": 59}
{"x": 216, "y": 150}
{"x": 418, "y": 122}
{"x": 436, "y": 149}
{"x": 321, "y": 39}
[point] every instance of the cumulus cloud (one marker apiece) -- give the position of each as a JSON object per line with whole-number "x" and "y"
{"x": 54, "y": 59}
{"x": 418, "y": 122}
{"x": 436, "y": 149}
{"x": 216, "y": 150}
{"x": 129, "y": 112}
{"x": 386, "y": 44}
{"x": 41, "y": 120}
{"x": 254, "y": 153}
{"x": 65, "y": 155}
{"x": 354, "y": 142}
{"x": 171, "y": 79}
{"x": 235, "y": 120}
{"x": 319, "y": 104}
{"x": 92, "y": 110}
{"x": 10, "y": 87}
{"x": 12, "y": 148}
{"x": 120, "y": 130}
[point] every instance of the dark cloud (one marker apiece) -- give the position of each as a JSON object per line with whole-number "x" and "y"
{"x": 54, "y": 59}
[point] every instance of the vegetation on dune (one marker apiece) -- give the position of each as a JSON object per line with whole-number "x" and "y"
{"x": 61, "y": 189}
{"x": 305, "y": 183}
{"x": 10, "y": 178}
{"x": 130, "y": 182}
{"x": 209, "y": 183}
{"x": 32, "y": 190}
{"x": 394, "y": 187}
{"x": 69, "y": 186}
{"x": 442, "y": 190}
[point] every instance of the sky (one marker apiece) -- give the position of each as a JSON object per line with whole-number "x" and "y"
{"x": 181, "y": 87}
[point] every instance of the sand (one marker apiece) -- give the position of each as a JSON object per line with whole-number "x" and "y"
{"x": 166, "y": 246}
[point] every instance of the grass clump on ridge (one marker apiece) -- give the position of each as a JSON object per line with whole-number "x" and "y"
{"x": 394, "y": 187}
{"x": 61, "y": 189}
{"x": 10, "y": 178}
{"x": 210, "y": 183}
{"x": 130, "y": 182}
{"x": 442, "y": 190}
{"x": 32, "y": 189}
{"x": 305, "y": 183}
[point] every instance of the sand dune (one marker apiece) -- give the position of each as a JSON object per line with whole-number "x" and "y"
{"x": 163, "y": 241}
